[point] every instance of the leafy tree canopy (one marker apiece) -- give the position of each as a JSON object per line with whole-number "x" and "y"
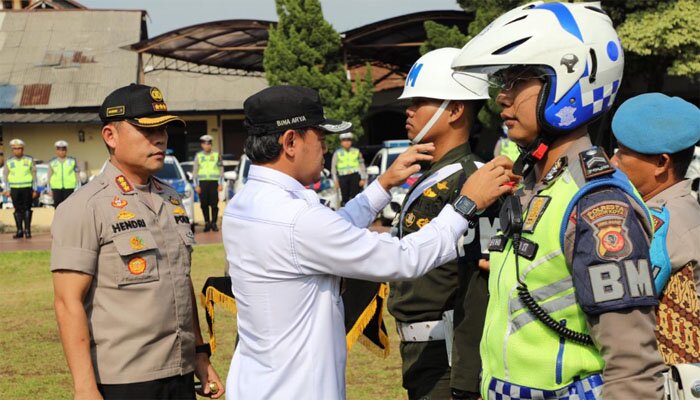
{"x": 304, "y": 49}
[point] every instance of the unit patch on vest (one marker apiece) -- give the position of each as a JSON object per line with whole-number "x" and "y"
{"x": 442, "y": 185}
{"x": 137, "y": 265}
{"x": 174, "y": 201}
{"x": 537, "y": 206}
{"x": 119, "y": 203}
{"x": 123, "y": 184}
{"x": 136, "y": 243}
{"x": 422, "y": 222}
{"x": 410, "y": 219}
{"x": 430, "y": 193}
{"x": 125, "y": 215}
{"x": 608, "y": 222}
{"x": 594, "y": 162}
{"x": 128, "y": 225}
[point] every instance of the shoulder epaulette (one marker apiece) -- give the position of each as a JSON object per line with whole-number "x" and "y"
{"x": 595, "y": 163}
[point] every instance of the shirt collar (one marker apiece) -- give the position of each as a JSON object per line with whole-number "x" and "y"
{"x": 275, "y": 177}
{"x": 452, "y": 156}
{"x": 679, "y": 189}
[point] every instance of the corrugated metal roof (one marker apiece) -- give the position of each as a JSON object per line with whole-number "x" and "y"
{"x": 48, "y": 118}
{"x": 78, "y": 55}
{"x": 184, "y": 91}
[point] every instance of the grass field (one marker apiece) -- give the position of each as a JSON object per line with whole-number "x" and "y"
{"x": 32, "y": 365}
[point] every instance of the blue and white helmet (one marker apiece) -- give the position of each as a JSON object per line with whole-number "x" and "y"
{"x": 575, "y": 45}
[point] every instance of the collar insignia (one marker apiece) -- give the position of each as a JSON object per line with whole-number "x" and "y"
{"x": 124, "y": 184}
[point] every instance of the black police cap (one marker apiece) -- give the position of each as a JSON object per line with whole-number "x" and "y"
{"x": 140, "y": 105}
{"x": 278, "y": 108}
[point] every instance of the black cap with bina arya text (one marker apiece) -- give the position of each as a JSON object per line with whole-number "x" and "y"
{"x": 278, "y": 108}
{"x": 140, "y": 105}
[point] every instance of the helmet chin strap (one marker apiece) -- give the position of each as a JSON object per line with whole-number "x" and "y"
{"x": 532, "y": 155}
{"x": 430, "y": 123}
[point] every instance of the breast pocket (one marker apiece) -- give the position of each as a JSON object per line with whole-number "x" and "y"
{"x": 138, "y": 253}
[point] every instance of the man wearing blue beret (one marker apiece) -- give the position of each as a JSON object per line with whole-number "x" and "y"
{"x": 656, "y": 135}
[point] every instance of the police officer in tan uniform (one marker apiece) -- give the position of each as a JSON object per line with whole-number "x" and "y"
{"x": 120, "y": 259}
{"x": 656, "y": 135}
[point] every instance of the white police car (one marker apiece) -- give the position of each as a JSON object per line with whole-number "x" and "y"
{"x": 382, "y": 160}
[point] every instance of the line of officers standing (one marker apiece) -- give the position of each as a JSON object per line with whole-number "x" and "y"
{"x": 63, "y": 178}
{"x": 19, "y": 175}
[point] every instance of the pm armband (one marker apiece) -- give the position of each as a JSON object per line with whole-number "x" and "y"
{"x": 614, "y": 286}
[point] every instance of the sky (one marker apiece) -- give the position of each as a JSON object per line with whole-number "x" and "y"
{"x": 167, "y": 15}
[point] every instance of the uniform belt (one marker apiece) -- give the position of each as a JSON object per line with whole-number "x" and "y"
{"x": 348, "y": 172}
{"x": 425, "y": 331}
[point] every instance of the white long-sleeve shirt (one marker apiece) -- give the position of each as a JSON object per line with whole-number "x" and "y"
{"x": 285, "y": 253}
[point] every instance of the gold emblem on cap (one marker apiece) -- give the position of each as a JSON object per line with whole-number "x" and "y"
{"x": 156, "y": 94}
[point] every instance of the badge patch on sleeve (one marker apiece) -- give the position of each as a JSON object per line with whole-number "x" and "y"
{"x": 442, "y": 185}
{"x": 538, "y": 205}
{"x": 174, "y": 201}
{"x": 608, "y": 222}
{"x": 137, "y": 265}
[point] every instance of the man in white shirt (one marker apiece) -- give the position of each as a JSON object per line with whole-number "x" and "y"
{"x": 286, "y": 252}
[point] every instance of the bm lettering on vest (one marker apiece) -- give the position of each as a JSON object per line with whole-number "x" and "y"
{"x": 128, "y": 225}
{"x": 607, "y": 285}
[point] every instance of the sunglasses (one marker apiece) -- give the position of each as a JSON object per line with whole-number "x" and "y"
{"x": 507, "y": 79}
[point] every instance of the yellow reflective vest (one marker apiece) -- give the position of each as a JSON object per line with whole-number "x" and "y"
{"x": 208, "y": 166}
{"x": 20, "y": 172}
{"x": 63, "y": 173}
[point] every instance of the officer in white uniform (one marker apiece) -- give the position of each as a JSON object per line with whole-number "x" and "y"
{"x": 286, "y": 252}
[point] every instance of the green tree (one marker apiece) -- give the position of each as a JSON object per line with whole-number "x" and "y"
{"x": 304, "y": 49}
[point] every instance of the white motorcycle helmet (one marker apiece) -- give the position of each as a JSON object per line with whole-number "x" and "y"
{"x": 431, "y": 77}
{"x": 574, "y": 46}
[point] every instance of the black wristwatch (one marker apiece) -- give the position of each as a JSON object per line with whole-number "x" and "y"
{"x": 203, "y": 348}
{"x": 466, "y": 207}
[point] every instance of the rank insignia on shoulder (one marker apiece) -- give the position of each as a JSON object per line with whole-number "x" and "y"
{"x": 174, "y": 200}
{"x": 538, "y": 205}
{"x": 179, "y": 211}
{"x": 498, "y": 243}
{"x": 119, "y": 203}
{"x": 125, "y": 215}
{"x": 442, "y": 185}
{"x": 556, "y": 170}
{"x": 594, "y": 162}
{"x": 137, "y": 265}
{"x": 422, "y": 222}
{"x": 123, "y": 184}
{"x": 429, "y": 192}
{"x": 136, "y": 242}
{"x": 410, "y": 219}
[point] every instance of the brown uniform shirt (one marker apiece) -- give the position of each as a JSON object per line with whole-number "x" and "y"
{"x": 683, "y": 239}
{"x": 633, "y": 365}
{"x": 139, "y": 305}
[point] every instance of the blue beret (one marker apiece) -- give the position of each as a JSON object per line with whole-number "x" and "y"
{"x": 654, "y": 123}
